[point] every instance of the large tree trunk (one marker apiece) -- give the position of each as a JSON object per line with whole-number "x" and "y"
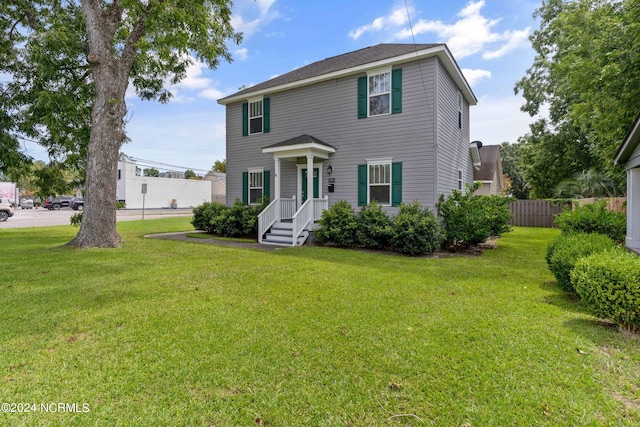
{"x": 110, "y": 75}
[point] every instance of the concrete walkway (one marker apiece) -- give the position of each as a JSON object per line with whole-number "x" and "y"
{"x": 182, "y": 236}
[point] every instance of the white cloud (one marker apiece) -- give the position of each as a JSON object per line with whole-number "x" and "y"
{"x": 251, "y": 15}
{"x": 241, "y": 54}
{"x": 212, "y": 93}
{"x": 472, "y": 33}
{"x": 498, "y": 119}
{"x": 475, "y": 75}
{"x": 397, "y": 17}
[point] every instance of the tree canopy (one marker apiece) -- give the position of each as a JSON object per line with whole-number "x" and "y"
{"x": 70, "y": 63}
{"x": 585, "y": 73}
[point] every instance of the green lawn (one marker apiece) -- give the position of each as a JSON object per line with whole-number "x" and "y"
{"x": 162, "y": 333}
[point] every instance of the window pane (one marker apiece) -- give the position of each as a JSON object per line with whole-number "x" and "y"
{"x": 380, "y": 193}
{"x": 255, "y": 125}
{"x": 254, "y": 195}
{"x": 379, "y": 105}
{"x": 387, "y": 174}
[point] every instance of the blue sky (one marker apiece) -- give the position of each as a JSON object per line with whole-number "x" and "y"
{"x": 488, "y": 38}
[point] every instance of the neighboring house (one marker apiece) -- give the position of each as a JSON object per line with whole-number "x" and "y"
{"x": 159, "y": 192}
{"x": 628, "y": 155}
{"x": 388, "y": 123}
{"x": 218, "y": 186}
{"x": 489, "y": 173}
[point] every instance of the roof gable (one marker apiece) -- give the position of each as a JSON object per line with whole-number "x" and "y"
{"x": 629, "y": 145}
{"x": 353, "y": 63}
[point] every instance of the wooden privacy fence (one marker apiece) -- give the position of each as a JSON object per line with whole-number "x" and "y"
{"x": 542, "y": 213}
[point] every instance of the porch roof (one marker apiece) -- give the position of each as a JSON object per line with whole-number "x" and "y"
{"x": 300, "y": 146}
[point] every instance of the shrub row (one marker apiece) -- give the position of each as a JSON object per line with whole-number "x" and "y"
{"x": 594, "y": 218}
{"x": 587, "y": 259}
{"x": 239, "y": 220}
{"x": 413, "y": 231}
{"x": 464, "y": 219}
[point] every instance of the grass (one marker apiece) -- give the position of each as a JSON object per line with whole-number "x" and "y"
{"x": 173, "y": 333}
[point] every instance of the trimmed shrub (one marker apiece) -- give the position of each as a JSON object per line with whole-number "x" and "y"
{"x": 567, "y": 249}
{"x": 593, "y": 218}
{"x": 203, "y": 215}
{"x": 338, "y": 225}
{"x": 373, "y": 227}
{"x": 469, "y": 219}
{"x": 239, "y": 220}
{"x": 609, "y": 285}
{"x": 416, "y": 230}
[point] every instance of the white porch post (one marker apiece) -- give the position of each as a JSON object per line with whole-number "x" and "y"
{"x": 277, "y": 185}
{"x": 633, "y": 209}
{"x": 310, "y": 182}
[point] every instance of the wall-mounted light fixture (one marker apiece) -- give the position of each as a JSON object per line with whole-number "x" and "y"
{"x": 329, "y": 169}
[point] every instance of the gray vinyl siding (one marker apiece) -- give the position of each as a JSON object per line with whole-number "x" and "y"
{"x": 453, "y": 141}
{"x": 328, "y": 111}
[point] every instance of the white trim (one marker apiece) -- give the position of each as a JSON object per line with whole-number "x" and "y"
{"x": 300, "y": 150}
{"x": 440, "y": 51}
{"x": 379, "y": 160}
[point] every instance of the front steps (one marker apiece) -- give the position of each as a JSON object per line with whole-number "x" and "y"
{"x": 281, "y": 233}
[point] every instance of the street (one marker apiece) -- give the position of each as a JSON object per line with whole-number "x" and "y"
{"x": 44, "y": 217}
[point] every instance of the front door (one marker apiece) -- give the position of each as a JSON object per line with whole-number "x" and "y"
{"x": 316, "y": 184}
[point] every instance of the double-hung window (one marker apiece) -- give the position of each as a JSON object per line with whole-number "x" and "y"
{"x": 460, "y": 106}
{"x": 255, "y": 116}
{"x": 380, "y": 183}
{"x": 256, "y": 186}
{"x": 380, "y": 180}
{"x": 379, "y": 93}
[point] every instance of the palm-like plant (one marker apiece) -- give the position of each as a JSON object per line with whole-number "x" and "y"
{"x": 588, "y": 183}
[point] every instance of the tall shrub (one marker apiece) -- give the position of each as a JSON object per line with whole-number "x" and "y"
{"x": 469, "y": 219}
{"x": 203, "y": 214}
{"x": 593, "y": 218}
{"x": 373, "y": 227}
{"x": 338, "y": 225}
{"x": 416, "y": 230}
{"x": 609, "y": 285}
{"x": 567, "y": 249}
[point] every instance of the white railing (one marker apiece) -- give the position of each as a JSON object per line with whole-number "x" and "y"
{"x": 276, "y": 210}
{"x": 301, "y": 219}
{"x": 319, "y": 206}
{"x": 267, "y": 218}
{"x": 287, "y": 208}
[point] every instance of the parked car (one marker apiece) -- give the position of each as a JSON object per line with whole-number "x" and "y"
{"x": 26, "y": 204}
{"x": 55, "y": 203}
{"x": 6, "y": 209}
{"x": 77, "y": 204}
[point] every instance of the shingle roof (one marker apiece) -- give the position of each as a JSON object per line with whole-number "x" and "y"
{"x": 337, "y": 63}
{"x": 489, "y": 156}
{"x": 302, "y": 139}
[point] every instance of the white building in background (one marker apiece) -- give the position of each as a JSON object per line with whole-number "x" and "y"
{"x": 159, "y": 192}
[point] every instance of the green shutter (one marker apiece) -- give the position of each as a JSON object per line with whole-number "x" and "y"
{"x": 362, "y": 185}
{"x": 245, "y": 188}
{"x": 266, "y": 185}
{"x": 396, "y": 91}
{"x": 396, "y": 184}
{"x": 266, "y": 115}
{"x": 245, "y": 119}
{"x": 363, "y": 110}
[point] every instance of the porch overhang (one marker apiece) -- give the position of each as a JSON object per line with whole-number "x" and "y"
{"x": 300, "y": 146}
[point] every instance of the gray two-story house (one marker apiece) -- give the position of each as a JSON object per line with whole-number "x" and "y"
{"x": 388, "y": 123}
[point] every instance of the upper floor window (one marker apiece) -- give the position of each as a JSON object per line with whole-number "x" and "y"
{"x": 379, "y": 93}
{"x": 255, "y": 116}
{"x": 460, "y": 106}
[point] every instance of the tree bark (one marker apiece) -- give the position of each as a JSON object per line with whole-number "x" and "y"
{"x": 110, "y": 75}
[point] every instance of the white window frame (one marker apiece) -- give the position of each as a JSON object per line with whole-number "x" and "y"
{"x": 460, "y": 179}
{"x": 385, "y": 91}
{"x": 255, "y": 111}
{"x": 375, "y": 164}
{"x": 460, "y": 109}
{"x": 251, "y": 174}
